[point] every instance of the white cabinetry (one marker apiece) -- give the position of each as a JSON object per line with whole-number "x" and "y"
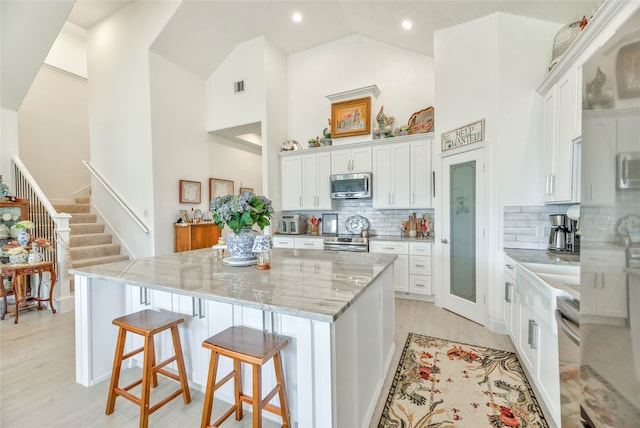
{"x": 316, "y": 186}
{"x": 401, "y": 265}
{"x": 537, "y": 341}
{"x": 391, "y": 184}
{"x": 598, "y": 151}
{"x": 511, "y": 309}
{"x": 345, "y": 161}
{"x": 420, "y": 179}
{"x": 291, "y": 174}
{"x": 309, "y": 243}
{"x": 420, "y": 268}
{"x": 283, "y": 241}
{"x": 603, "y": 283}
{"x": 562, "y": 126}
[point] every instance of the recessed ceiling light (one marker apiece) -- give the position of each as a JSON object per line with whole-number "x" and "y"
{"x": 407, "y": 25}
{"x": 296, "y": 17}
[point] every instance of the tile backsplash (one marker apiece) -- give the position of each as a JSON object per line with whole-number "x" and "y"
{"x": 528, "y": 227}
{"x": 381, "y": 222}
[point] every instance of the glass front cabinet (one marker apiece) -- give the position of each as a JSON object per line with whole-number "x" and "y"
{"x": 10, "y": 214}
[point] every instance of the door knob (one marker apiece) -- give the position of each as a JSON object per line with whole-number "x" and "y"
{"x": 444, "y": 241}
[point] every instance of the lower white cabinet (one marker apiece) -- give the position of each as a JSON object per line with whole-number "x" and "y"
{"x": 420, "y": 268}
{"x": 412, "y": 268}
{"x": 401, "y": 265}
{"x": 511, "y": 309}
{"x": 536, "y": 340}
{"x": 603, "y": 283}
{"x": 283, "y": 241}
{"x": 309, "y": 243}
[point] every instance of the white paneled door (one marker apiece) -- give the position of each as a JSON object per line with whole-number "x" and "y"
{"x": 463, "y": 241}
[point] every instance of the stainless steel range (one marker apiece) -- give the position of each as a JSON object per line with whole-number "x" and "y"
{"x": 346, "y": 243}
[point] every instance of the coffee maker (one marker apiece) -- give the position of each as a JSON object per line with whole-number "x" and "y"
{"x": 563, "y": 236}
{"x": 558, "y": 235}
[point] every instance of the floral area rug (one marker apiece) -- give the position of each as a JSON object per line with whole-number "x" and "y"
{"x": 440, "y": 383}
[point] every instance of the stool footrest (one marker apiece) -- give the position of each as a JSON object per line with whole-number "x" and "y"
{"x": 169, "y": 375}
{"x": 224, "y": 417}
{"x": 160, "y": 365}
{"x": 132, "y": 353}
{"x": 165, "y": 401}
{"x": 223, "y": 381}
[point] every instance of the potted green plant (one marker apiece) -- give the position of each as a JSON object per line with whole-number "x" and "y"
{"x": 240, "y": 213}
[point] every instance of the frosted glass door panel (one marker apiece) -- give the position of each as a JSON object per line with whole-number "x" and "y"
{"x": 462, "y": 213}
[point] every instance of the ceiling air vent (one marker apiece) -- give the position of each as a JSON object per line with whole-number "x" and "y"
{"x": 238, "y": 86}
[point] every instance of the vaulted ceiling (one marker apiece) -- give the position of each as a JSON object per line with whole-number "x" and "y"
{"x": 203, "y": 32}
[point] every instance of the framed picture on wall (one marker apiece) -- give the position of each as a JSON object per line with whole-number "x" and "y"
{"x": 189, "y": 192}
{"x": 219, "y": 187}
{"x": 245, "y": 189}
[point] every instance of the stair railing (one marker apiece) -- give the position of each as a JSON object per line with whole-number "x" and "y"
{"x": 116, "y": 196}
{"x": 50, "y": 225}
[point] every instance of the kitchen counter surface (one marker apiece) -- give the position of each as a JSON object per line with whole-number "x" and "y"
{"x": 371, "y": 238}
{"x": 310, "y": 284}
{"x": 400, "y": 238}
{"x": 542, "y": 256}
{"x": 633, "y": 272}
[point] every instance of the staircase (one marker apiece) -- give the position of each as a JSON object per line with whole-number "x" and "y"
{"x": 88, "y": 244}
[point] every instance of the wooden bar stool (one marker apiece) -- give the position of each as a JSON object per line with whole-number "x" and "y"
{"x": 246, "y": 345}
{"x": 147, "y": 323}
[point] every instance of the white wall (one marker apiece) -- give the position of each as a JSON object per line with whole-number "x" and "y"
{"x": 69, "y": 52}
{"x": 274, "y": 130}
{"x": 489, "y": 68}
{"x": 225, "y": 109}
{"x": 405, "y": 80}
{"x": 120, "y": 114}
{"x": 9, "y": 144}
{"x": 54, "y": 132}
{"x": 180, "y": 146}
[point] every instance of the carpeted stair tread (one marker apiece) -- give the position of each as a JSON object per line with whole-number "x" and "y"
{"x": 98, "y": 260}
{"x": 83, "y": 228}
{"x": 83, "y": 218}
{"x": 82, "y": 240}
{"x": 83, "y": 200}
{"x": 72, "y": 208}
{"x": 91, "y": 251}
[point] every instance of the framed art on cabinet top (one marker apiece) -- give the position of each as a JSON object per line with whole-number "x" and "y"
{"x": 628, "y": 71}
{"x": 351, "y": 117}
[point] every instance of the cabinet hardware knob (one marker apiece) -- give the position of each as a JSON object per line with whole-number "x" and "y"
{"x": 444, "y": 241}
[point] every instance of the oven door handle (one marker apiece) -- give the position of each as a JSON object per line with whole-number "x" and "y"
{"x": 341, "y": 247}
{"x": 564, "y": 326}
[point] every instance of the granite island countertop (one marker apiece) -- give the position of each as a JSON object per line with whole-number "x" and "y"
{"x": 543, "y": 256}
{"x": 311, "y": 284}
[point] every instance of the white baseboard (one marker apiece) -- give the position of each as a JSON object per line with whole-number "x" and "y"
{"x": 65, "y": 304}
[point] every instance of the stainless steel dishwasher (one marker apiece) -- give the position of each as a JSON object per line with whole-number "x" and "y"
{"x": 568, "y": 317}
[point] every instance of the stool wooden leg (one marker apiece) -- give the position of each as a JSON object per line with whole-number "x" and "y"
{"x": 152, "y": 351}
{"x": 147, "y": 375}
{"x": 257, "y": 396}
{"x": 284, "y": 406}
{"x": 115, "y": 372}
{"x": 237, "y": 387}
{"x": 182, "y": 371}
{"x": 209, "y": 392}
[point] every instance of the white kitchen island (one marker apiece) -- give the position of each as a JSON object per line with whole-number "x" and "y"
{"x": 337, "y": 308}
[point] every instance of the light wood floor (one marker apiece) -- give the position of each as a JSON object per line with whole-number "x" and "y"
{"x": 37, "y": 372}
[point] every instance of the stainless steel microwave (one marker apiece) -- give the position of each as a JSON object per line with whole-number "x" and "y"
{"x": 351, "y": 186}
{"x": 628, "y": 170}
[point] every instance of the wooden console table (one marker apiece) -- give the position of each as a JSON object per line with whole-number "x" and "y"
{"x": 21, "y": 297}
{"x": 194, "y": 236}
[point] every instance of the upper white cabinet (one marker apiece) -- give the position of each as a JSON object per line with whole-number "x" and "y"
{"x": 345, "y": 161}
{"x": 598, "y": 152}
{"x": 291, "y": 175}
{"x": 391, "y": 176}
{"x": 420, "y": 178}
{"x": 562, "y": 126}
{"x": 316, "y": 186}
{"x": 402, "y": 175}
